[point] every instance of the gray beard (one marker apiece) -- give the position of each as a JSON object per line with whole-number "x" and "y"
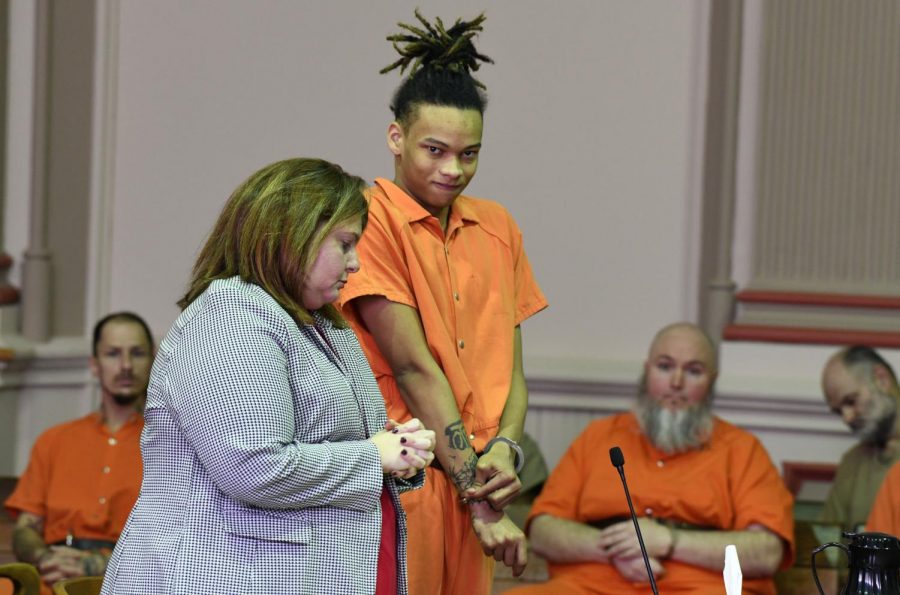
{"x": 674, "y": 431}
{"x": 877, "y": 431}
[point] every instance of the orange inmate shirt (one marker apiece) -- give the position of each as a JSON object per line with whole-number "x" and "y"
{"x": 82, "y": 478}
{"x": 471, "y": 286}
{"x": 885, "y": 514}
{"x": 729, "y": 484}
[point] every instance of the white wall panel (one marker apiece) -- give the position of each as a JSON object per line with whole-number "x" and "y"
{"x": 590, "y": 140}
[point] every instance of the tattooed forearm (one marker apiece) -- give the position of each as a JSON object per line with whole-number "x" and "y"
{"x": 464, "y": 475}
{"x": 94, "y": 564}
{"x": 456, "y": 435}
{"x": 464, "y": 461}
{"x": 28, "y": 545}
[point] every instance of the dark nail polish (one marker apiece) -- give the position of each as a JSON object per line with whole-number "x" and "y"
{"x": 403, "y": 440}
{"x": 394, "y": 431}
{"x": 403, "y": 452}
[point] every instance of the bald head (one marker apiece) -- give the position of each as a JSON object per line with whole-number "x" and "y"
{"x": 861, "y": 363}
{"x": 681, "y": 367}
{"x": 688, "y": 337}
{"x": 860, "y": 386}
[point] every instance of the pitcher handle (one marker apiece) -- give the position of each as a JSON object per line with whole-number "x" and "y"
{"x": 819, "y": 549}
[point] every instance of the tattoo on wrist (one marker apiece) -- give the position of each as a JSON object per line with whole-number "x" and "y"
{"x": 93, "y": 565}
{"x": 456, "y": 435}
{"x": 464, "y": 476}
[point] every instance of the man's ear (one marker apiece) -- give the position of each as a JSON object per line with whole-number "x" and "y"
{"x": 95, "y": 366}
{"x": 395, "y": 138}
{"x": 882, "y": 378}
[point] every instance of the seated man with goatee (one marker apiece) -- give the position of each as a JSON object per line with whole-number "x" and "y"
{"x": 698, "y": 483}
{"x": 84, "y": 475}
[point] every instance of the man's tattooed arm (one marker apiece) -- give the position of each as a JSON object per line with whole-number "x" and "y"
{"x": 456, "y": 436}
{"x": 27, "y": 539}
{"x": 462, "y": 471}
{"x": 94, "y": 564}
{"x": 464, "y": 475}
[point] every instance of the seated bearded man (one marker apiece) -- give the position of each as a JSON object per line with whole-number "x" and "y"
{"x": 698, "y": 483}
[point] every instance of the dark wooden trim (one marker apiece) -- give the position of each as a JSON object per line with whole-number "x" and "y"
{"x": 814, "y": 336}
{"x": 795, "y": 473}
{"x": 837, "y": 300}
{"x": 8, "y": 295}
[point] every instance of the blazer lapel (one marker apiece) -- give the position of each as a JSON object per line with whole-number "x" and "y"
{"x": 336, "y": 349}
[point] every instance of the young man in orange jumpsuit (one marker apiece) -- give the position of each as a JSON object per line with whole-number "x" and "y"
{"x": 84, "y": 476}
{"x": 697, "y": 483}
{"x": 443, "y": 286}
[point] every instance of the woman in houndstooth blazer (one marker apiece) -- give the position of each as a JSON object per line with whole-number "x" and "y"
{"x": 268, "y": 464}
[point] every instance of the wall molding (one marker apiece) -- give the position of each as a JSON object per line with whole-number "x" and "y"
{"x": 751, "y": 411}
{"x": 816, "y": 318}
{"x": 60, "y": 363}
{"x": 811, "y": 336}
{"x": 792, "y": 428}
{"x": 836, "y": 300}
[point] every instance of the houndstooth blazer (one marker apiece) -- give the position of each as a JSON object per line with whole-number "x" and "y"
{"x": 258, "y": 477}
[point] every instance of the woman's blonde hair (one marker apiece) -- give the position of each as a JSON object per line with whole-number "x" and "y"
{"x": 272, "y": 226}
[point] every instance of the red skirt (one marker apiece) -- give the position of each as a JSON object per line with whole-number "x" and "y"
{"x": 386, "y": 584}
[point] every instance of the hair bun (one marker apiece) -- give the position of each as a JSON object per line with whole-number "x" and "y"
{"x": 437, "y": 47}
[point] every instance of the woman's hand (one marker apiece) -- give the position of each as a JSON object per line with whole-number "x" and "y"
{"x": 404, "y": 448}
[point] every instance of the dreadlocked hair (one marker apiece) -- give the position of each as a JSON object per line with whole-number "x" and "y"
{"x": 440, "y": 63}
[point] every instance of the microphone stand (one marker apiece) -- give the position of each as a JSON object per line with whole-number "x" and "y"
{"x": 618, "y": 461}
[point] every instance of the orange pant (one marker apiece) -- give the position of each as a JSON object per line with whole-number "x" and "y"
{"x": 444, "y": 555}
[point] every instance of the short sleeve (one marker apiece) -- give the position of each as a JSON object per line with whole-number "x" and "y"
{"x": 761, "y": 498}
{"x": 383, "y": 268}
{"x": 529, "y": 298}
{"x": 562, "y": 491}
{"x": 30, "y": 494}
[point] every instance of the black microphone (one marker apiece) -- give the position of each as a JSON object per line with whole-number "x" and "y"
{"x": 618, "y": 460}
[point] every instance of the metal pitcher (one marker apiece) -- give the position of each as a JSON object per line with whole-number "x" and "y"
{"x": 874, "y": 564}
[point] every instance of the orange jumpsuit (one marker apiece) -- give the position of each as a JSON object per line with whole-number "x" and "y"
{"x": 471, "y": 285}
{"x": 82, "y": 479}
{"x": 885, "y": 514}
{"x": 728, "y": 484}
